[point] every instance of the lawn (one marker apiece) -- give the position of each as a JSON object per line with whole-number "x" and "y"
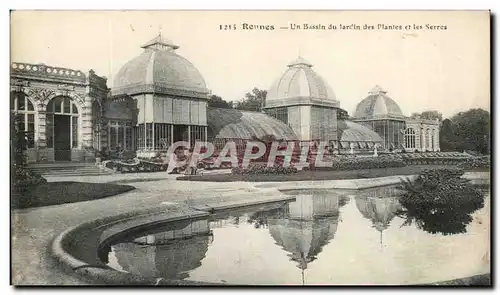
{"x": 313, "y": 175}
{"x": 55, "y": 193}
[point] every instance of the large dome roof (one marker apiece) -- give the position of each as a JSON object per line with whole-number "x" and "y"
{"x": 160, "y": 69}
{"x": 300, "y": 81}
{"x": 236, "y": 124}
{"x": 377, "y": 105}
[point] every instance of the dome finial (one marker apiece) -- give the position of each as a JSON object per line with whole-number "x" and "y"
{"x": 300, "y": 62}
{"x": 160, "y": 43}
{"x": 377, "y": 90}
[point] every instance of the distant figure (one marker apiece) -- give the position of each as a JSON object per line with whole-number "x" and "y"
{"x": 119, "y": 152}
{"x": 192, "y": 162}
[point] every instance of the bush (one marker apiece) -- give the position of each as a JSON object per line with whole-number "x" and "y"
{"x": 134, "y": 166}
{"x": 24, "y": 179}
{"x": 439, "y": 200}
{"x": 476, "y": 162}
{"x": 261, "y": 168}
{"x": 358, "y": 163}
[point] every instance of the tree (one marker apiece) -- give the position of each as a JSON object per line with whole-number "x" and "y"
{"x": 253, "y": 101}
{"x": 342, "y": 114}
{"x": 216, "y": 101}
{"x": 466, "y": 131}
{"x": 447, "y": 136}
{"x": 473, "y": 130}
{"x": 428, "y": 115}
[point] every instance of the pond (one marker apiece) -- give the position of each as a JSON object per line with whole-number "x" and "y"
{"x": 323, "y": 237}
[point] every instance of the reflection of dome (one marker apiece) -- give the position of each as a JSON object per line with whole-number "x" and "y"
{"x": 300, "y": 80}
{"x": 354, "y": 132}
{"x": 310, "y": 223}
{"x": 171, "y": 261}
{"x": 377, "y": 104}
{"x": 380, "y": 211}
{"x": 304, "y": 240}
{"x": 236, "y": 124}
{"x": 160, "y": 69}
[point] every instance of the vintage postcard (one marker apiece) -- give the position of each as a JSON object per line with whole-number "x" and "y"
{"x": 250, "y": 148}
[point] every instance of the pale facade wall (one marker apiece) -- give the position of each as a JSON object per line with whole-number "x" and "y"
{"x": 305, "y": 123}
{"x": 294, "y": 119}
{"x": 426, "y": 135}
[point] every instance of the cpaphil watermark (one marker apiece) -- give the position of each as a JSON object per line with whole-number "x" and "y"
{"x": 286, "y": 154}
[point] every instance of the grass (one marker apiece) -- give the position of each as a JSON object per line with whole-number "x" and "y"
{"x": 314, "y": 175}
{"x": 55, "y": 193}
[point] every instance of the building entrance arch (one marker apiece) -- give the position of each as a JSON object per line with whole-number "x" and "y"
{"x": 62, "y": 127}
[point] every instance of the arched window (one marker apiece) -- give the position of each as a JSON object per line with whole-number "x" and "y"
{"x": 62, "y": 106}
{"x": 21, "y": 105}
{"x": 410, "y": 138}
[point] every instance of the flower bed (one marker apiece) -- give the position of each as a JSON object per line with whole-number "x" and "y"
{"x": 358, "y": 163}
{"x": 476, "y": 162}
{"x": 261, "y": 168}
{"x": 134, "y": 166}
{"x": 435, "y": 158}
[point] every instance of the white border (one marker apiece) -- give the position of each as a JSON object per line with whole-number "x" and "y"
{"x": 190, "y": 4}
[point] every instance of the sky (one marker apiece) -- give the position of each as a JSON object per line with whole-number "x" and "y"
{"x": 421, "y": 69}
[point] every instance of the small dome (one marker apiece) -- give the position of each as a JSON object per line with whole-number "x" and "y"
{"x": 354, "y": 132}
{"x": 376, "y": 105}
{"x": 300, "y": 80}
{"x": 160, "y": 69}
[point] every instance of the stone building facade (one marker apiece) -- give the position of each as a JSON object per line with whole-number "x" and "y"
{"x": 56, "y": 107}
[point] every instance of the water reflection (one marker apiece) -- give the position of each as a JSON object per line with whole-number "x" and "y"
{"x": 380, "y": 206}
{"x": 448, "y": 218}
{"x": 168, "y": 253}
{"x": 279, "y": 243}
{"x": 302, "y": 228}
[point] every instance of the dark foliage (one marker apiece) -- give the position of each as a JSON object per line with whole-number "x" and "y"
{"x": 476, "y": 162}
{"x": 468, "y": 130}
{"x": 134, "y": 166}
{"x": 22, "y": 179}
{"x": 261, "y": 168}
{"x": 253, "y": 101}
{"x": 440, "y": 201}
{"x": 357, "y": 163}
{"x": 217, "y": 102}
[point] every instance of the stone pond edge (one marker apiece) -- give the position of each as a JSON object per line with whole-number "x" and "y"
{"x": 104, "y": 276}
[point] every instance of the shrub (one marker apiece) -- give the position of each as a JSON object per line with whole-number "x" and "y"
{"x": 358, "y": 163}
{"x": 135, "y": 165}
{"x": 439, "y": 200}
{"x": 476, "y": 162}
{"x": 261, "y": 168}
{"x": 24, "y": 179}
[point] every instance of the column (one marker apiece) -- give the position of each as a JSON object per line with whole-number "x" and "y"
{"x": 86, "y": 121}
{"x": 171, "y": 134}
{"x": 153, "y": 135}
{"x": 86, "y": 137}
{"x": 41, "y": 143}
{"x": 189, "y": 135}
